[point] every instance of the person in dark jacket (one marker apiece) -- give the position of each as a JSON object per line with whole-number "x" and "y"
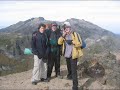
{"x": 40, "y": 50}
{"x": 54, "y": 52}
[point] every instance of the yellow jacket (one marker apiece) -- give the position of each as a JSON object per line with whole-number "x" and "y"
{"x": 77, "y": 51}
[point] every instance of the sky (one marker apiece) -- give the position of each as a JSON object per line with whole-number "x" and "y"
{"x": 105, "y": 14}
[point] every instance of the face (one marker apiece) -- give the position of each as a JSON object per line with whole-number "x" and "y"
{"x": 67, "y": 29}
{"x": 54, "y": 28}
{"x": 42, "y": 29}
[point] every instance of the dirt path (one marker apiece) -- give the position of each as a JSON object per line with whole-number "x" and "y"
{"x": 23, "y": 81}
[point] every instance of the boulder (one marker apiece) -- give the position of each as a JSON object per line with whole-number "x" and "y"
{"x": 91, "y": 68}
{"x": 96, "y": 71}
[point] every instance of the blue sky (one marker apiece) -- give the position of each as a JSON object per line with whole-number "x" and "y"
{"x": 105, "y": 14}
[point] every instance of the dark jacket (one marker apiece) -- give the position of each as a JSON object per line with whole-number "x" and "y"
{"x": 53, "y": 41}
{"x": 39, "y": 44}
{"x": 48, "y": 32}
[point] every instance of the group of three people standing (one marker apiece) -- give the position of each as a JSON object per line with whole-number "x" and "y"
{"x": 46, "y": 47}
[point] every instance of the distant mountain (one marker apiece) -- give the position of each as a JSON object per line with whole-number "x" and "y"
{"x": 23, "y": 26}
{"x": 85, "y": 28}
{"x": 94, "y": 35}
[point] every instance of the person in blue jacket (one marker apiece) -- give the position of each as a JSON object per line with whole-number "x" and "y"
{"x": 39, "y": 46}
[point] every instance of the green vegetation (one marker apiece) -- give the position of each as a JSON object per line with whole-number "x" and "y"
{"x": 96, "y": 49}
{"x": 26, "y": 63}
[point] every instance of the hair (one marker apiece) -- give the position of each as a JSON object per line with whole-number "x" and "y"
{"x": 64, "y": 26}
{"x": 41, "y": 25}
{"x": 54, "y": 23}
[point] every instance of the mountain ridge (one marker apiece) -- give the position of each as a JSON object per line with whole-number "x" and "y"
{"x": 32, "y": 24}
{"x": 87, "y": 30}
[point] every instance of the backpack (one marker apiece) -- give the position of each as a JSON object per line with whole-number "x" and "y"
{"x": 79, "y": 38}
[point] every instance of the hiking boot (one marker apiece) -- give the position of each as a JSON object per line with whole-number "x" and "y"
{"x": 60, "y": 77}
{"x": 42, "y": 79}
{"x": 45, "y": 80}
{"x": 34, "y": 83}
{"x": 57, "y": 74}
{"x": 69, "y": 78}
{"x": 49, "y": 79}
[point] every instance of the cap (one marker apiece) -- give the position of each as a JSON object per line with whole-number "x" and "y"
{"x": 54, "y": 24}
{"x": 67, "y": 24}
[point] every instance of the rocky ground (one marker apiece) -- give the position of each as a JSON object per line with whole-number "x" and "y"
{"x": 23, "y": 81}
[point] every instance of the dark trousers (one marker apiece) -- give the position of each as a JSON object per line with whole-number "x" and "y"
{"x": 72, "y": 71}
{"x": 53, "y": 60}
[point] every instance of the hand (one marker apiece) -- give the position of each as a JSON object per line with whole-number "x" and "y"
{"x": 73, "y": 42}
{"x": 45, "y": 58}
{"x": 64, "y": 33}
{"x": 39, "y": 55}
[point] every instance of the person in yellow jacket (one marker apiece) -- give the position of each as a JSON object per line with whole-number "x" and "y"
{"x": 71, "y": 48}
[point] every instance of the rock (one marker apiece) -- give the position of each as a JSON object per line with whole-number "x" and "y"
{"x": 0, "y": 69}
{"x": 96, "y": 71}
{"x": 2, "y": 51}
{"x": 92, "y": 68}
{"x": 110, "y": 56}
{"x": 113, "y": 78}
{"x": 103, "y": 80}
{"x": 4, "y": 68}
{"x": 46, "y": 88}
{"x": 9, "y": 68}
{"x": 67, "y": 85}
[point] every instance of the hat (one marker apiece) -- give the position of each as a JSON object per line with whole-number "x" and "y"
{"x": 67, "y": 23}
{"x": 54, "y": 24}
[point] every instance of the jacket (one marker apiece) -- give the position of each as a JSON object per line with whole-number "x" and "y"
{"x": 53, "y": 41}
{"x": 77, "y": 51}
{"x": 39, "y": 44}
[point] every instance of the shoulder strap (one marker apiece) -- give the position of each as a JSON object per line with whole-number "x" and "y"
{"x": 73, "y": 34}
{"x": 78, "y": 36}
